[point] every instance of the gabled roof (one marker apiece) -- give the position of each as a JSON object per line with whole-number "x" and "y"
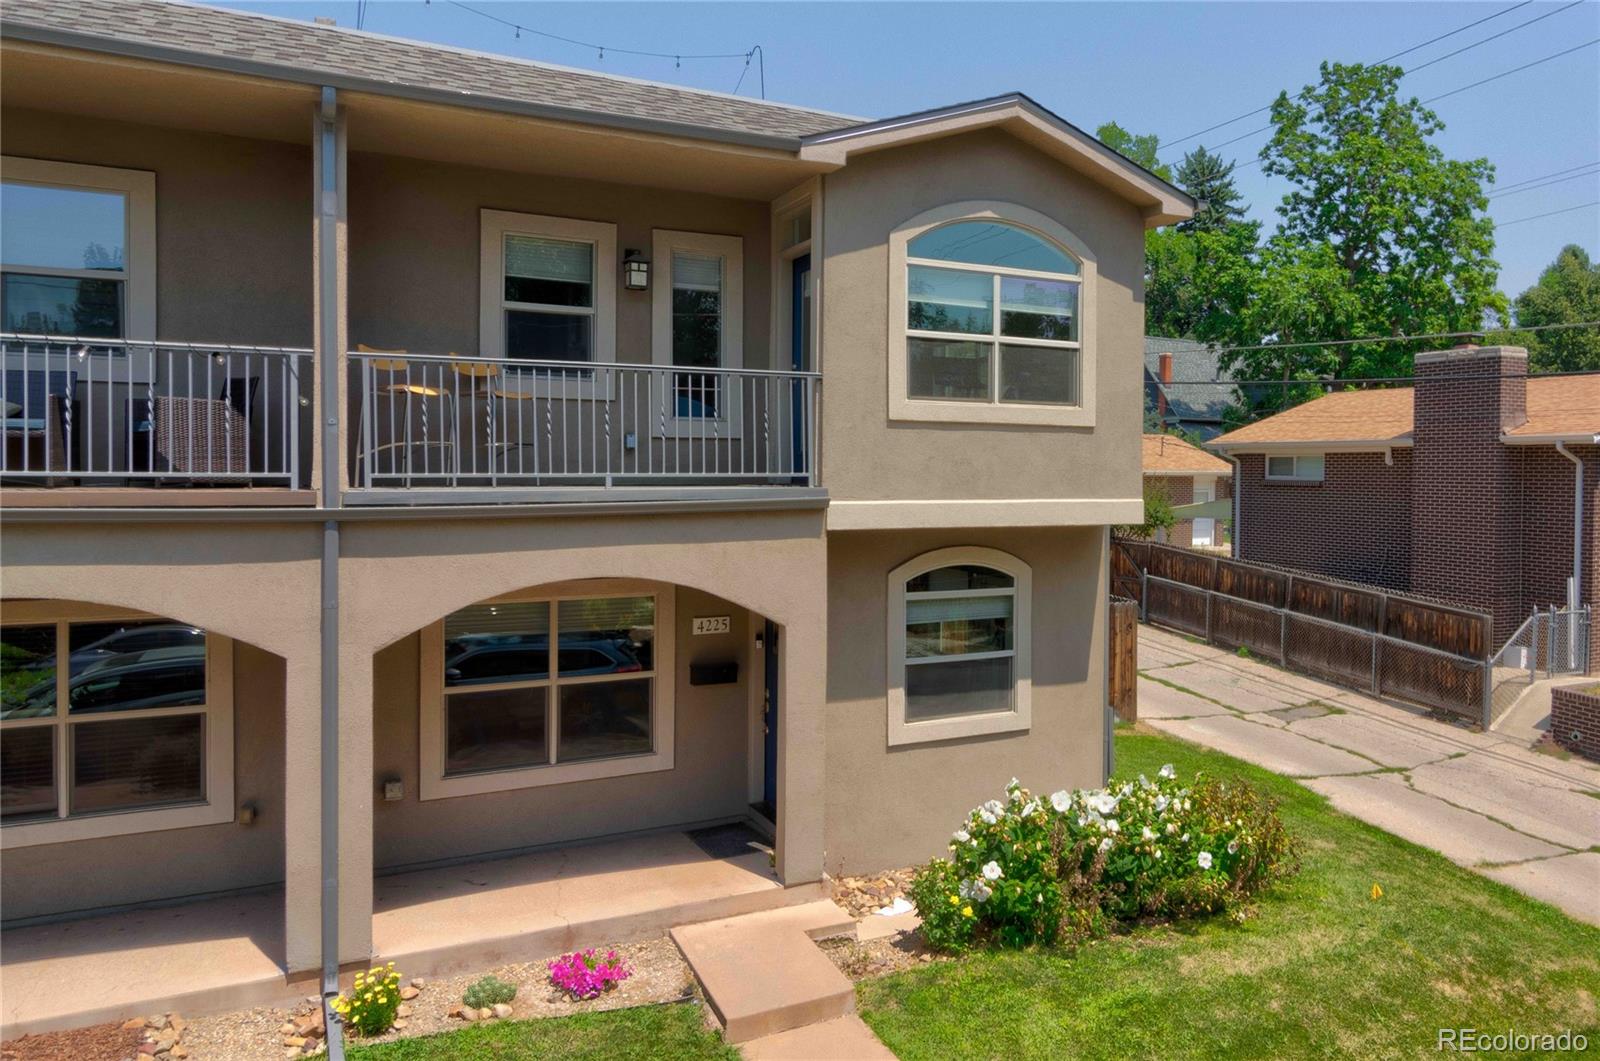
{"x": 1562, "y": 407}
{"x": 288, "y": 49}
{"x": 1171, "y": 455}
{"x": 1193, "y": 394}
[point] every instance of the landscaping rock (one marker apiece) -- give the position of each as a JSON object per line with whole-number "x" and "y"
{"x": 419, "y": 983}
{"x": 400, "y": 1023}
{"x": 296, "y": 1041}
{"x": 408, "y": 993}
{"x": 178, "y": 1024}
{"x": 133, "y": 1024}
{"x": 403, "y": 1011}
{"x": 486, "y": 1013}
{"x": 287, "y": 1028}
{"x": 180, "y": 1051}
{"x": 501, "y": 1010}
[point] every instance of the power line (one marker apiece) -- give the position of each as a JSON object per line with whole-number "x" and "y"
{"x": 1396, "y": 55}
{"x": 1546, "y": 184}
{"x": 518, "y": 29}
{"x": 1551, "y": 213}
{"x": 1379, "y": 339}
{"x": 1514, "y": 70}
{"x": 1497, "y": 36}
{"x": 1542, "y": 176}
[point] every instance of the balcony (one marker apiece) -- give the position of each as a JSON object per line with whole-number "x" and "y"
{"x": 428, "y": 429}
{"x": 219, "y": 424}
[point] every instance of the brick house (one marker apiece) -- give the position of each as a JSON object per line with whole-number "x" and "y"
{"x": 1480, "y": 485}
{"x": 1188, "y": 475}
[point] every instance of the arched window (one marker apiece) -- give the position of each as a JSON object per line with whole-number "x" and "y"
{"x": 959, "y": 657}
{"x": 994, "y": 323}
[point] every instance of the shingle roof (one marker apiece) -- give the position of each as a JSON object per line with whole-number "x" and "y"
{"x": 1191, "y": 395}
{"x": 306, "y": 51}
{"x": 1567, "y": 405}
{"x": 1169, "y": 453}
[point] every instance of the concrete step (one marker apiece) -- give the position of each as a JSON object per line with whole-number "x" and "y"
{"x": 763, "y": 974}
{"x": 840, "y": 1039}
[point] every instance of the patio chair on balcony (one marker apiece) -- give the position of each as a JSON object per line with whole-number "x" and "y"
{"x": 398, "y": 421}
{"x": 204, "y": 439}
{"x": 38, "y": 412}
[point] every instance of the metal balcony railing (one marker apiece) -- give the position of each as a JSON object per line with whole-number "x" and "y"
{"x": 91, "y": 411}
{"x": 447, "y": 421}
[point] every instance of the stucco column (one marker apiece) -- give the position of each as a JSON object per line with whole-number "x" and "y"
{"x": 355, "y": 791}
{"x": 802, "y": 746}
{"x": 302, "y": 825}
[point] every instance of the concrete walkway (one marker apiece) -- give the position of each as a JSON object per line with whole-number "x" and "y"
{"x": 1484, "y": 800}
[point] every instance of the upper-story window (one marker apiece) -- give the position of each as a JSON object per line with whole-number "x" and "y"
{"x": 77, "y": 250}
{"x": 698, "y": 322}
{"x": 549, "y": 288}
{"x": 991, "y": 318}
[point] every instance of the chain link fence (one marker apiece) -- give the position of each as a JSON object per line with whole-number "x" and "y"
{"x": 1555, "y": 641}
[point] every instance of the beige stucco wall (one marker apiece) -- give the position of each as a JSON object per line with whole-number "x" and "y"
{"x": 414, "y": 248}
{"x": 52, "y": 879}
{"x": 233, "y": 221}
{"x": 708, "y": 779}
{"x": 397, "y": 577}
{"x": 863, "y": 203}
{"x": 256, "y": 583}
{"x": 890, "y": 807}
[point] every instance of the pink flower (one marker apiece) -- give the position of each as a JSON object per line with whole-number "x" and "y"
{"x": 581, "y": 975}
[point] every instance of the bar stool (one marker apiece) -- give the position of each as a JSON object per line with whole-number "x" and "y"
{"x": 396, "y": 371}
{"x": 485, "y": 381}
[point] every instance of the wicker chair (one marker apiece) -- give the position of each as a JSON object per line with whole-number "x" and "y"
{"x": 36, "y": 431}
{"x": 206, "y": 439}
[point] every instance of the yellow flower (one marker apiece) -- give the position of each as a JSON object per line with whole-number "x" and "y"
{"x": 954, "y": 900}
{"x": 1377, "y": 892}
{"x": 966, "y": 911}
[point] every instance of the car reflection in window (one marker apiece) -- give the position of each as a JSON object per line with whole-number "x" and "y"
{"x": 489, "y": 659}
{"x": 137, "y": 681}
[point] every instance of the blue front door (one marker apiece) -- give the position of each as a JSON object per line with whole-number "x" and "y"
{"x": 769, "y": 719}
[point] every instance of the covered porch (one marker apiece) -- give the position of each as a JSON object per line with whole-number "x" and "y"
{"x": 220, "y": 954}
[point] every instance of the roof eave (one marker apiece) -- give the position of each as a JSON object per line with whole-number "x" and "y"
{"x": 1582, "y": 438}
{"x": 1161, "y": 203}
{"x": 1345, "y": 445}
{"x": 161, "y": 53}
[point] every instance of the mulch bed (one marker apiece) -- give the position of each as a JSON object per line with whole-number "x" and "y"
{"x": 98, "y": 1042}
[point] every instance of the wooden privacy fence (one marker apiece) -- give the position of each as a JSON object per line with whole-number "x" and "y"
{"x": 1385, "y": 643}
{"x": 1124, "y": 622}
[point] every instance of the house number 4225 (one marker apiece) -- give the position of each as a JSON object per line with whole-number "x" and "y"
{"x": 711, "y": 624}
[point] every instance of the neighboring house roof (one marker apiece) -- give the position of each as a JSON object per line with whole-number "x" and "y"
{"x": 1566, "y": 407}
{"x": 1192, "y": 396}
{"x": 1171, "y": 455}
{"x": 345, "y": 58}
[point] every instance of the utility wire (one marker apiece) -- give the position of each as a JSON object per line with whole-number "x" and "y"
{"x": 600, "y": 49}
{"x": 1546, "y": 184}
{"x": 1377, "y": 339}
{"x": 1551, "y": 213}
{"x": 1543, "y": 176}
{"x": 1493, "y": 37}
{"x": 1514, "y": 70}
{"x": 1396, "y": 55}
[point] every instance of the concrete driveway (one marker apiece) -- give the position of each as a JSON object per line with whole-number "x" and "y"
{"x": 1483, "y": 800}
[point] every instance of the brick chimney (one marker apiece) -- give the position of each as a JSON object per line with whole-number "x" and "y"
{"x": 1165, "y": 362}
{"x": 1464, "y": 521}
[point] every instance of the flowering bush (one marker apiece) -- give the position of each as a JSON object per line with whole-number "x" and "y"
{"x": 582, "y": 975}
{"x": 373, "y": 1001}
{"x": 1029, "y": 869}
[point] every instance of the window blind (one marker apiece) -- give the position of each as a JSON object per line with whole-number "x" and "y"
{"x": 539, "y": 258}
{"x": 948, "y": 609}
{"x": 696, "y": 272}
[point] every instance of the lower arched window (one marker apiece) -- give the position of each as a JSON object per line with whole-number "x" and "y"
{"x": 959, "y": 634}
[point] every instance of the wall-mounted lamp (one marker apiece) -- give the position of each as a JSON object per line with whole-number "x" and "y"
{"x": 635, "y": 270}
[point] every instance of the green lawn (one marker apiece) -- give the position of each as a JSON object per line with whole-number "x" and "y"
{"x": 1319, "y": 969}
{"x": 669, "y": 1033}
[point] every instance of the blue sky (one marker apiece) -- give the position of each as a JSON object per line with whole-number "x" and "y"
{"x": 1164, "y": 68}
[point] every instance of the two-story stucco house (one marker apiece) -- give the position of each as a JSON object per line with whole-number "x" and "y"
{"x": 421, "y": 461}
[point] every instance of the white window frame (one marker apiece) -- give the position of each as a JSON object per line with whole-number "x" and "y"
{"x": 1020, "y": 716}
{"x": 1296, "y": 476}
{"x": 138, "y": 273}
{"x": 217, "y": 806}
{"x": 903, "y": 407}
{"x": 495, "y": 226}
{"x": 731, "y": 250}
{"x": 435, "y": 785}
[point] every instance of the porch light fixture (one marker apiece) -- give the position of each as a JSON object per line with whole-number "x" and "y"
{"x": 635, "y": 270}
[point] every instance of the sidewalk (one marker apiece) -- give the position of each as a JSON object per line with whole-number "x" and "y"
{"x": 1484, "y": 800}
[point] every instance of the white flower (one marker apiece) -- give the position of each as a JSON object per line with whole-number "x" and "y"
{"x": 992, "y": 871}
{"x": 981, "y": 891}
{"x": 1112, "y": 826}
{"x": 1161, "y": 804}
{"x": 1103, "y": 803}
{"x": 995, "y": 807}
{"x": 1204, "y": 859}
{"x": 1185, "y": 838}
{"x": 1013, "y": 783}
{"x": 1158, "y": 852}
{"x": 1147, "y": 834}
{"x": 1168, "y": 772}
{"x": 1233, "y": 847}
{"x": 1030, "y": 808}
{"x": 987, "y": 815}
{"x": 961, "y": 836}
{"x": 1105, "y": 844}
{"x": 1061, "y": 801}
{"x": 1172, "y": 827}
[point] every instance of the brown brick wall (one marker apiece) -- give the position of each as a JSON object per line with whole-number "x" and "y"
{"x": 1180, "y": 491}
{"x": 1355, "y": 524}
{"x": 1544, "y": 501}
{"x": 1464, "y": 504}
{"x": 1575, "y": 720}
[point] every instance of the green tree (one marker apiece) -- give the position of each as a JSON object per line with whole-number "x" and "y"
{"x": 1198, "y": 283}
{"x": 1568, "y": 291}
{"x": 1380, "y": 233}
{"x": 1209, "y": 178}
{"x": 1141, "y": 149}
{"x": 1158, "y": 515}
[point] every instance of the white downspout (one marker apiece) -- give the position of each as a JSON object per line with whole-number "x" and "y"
{"x": 1235, "y": 488}
{"x": 1574, "y": 588}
